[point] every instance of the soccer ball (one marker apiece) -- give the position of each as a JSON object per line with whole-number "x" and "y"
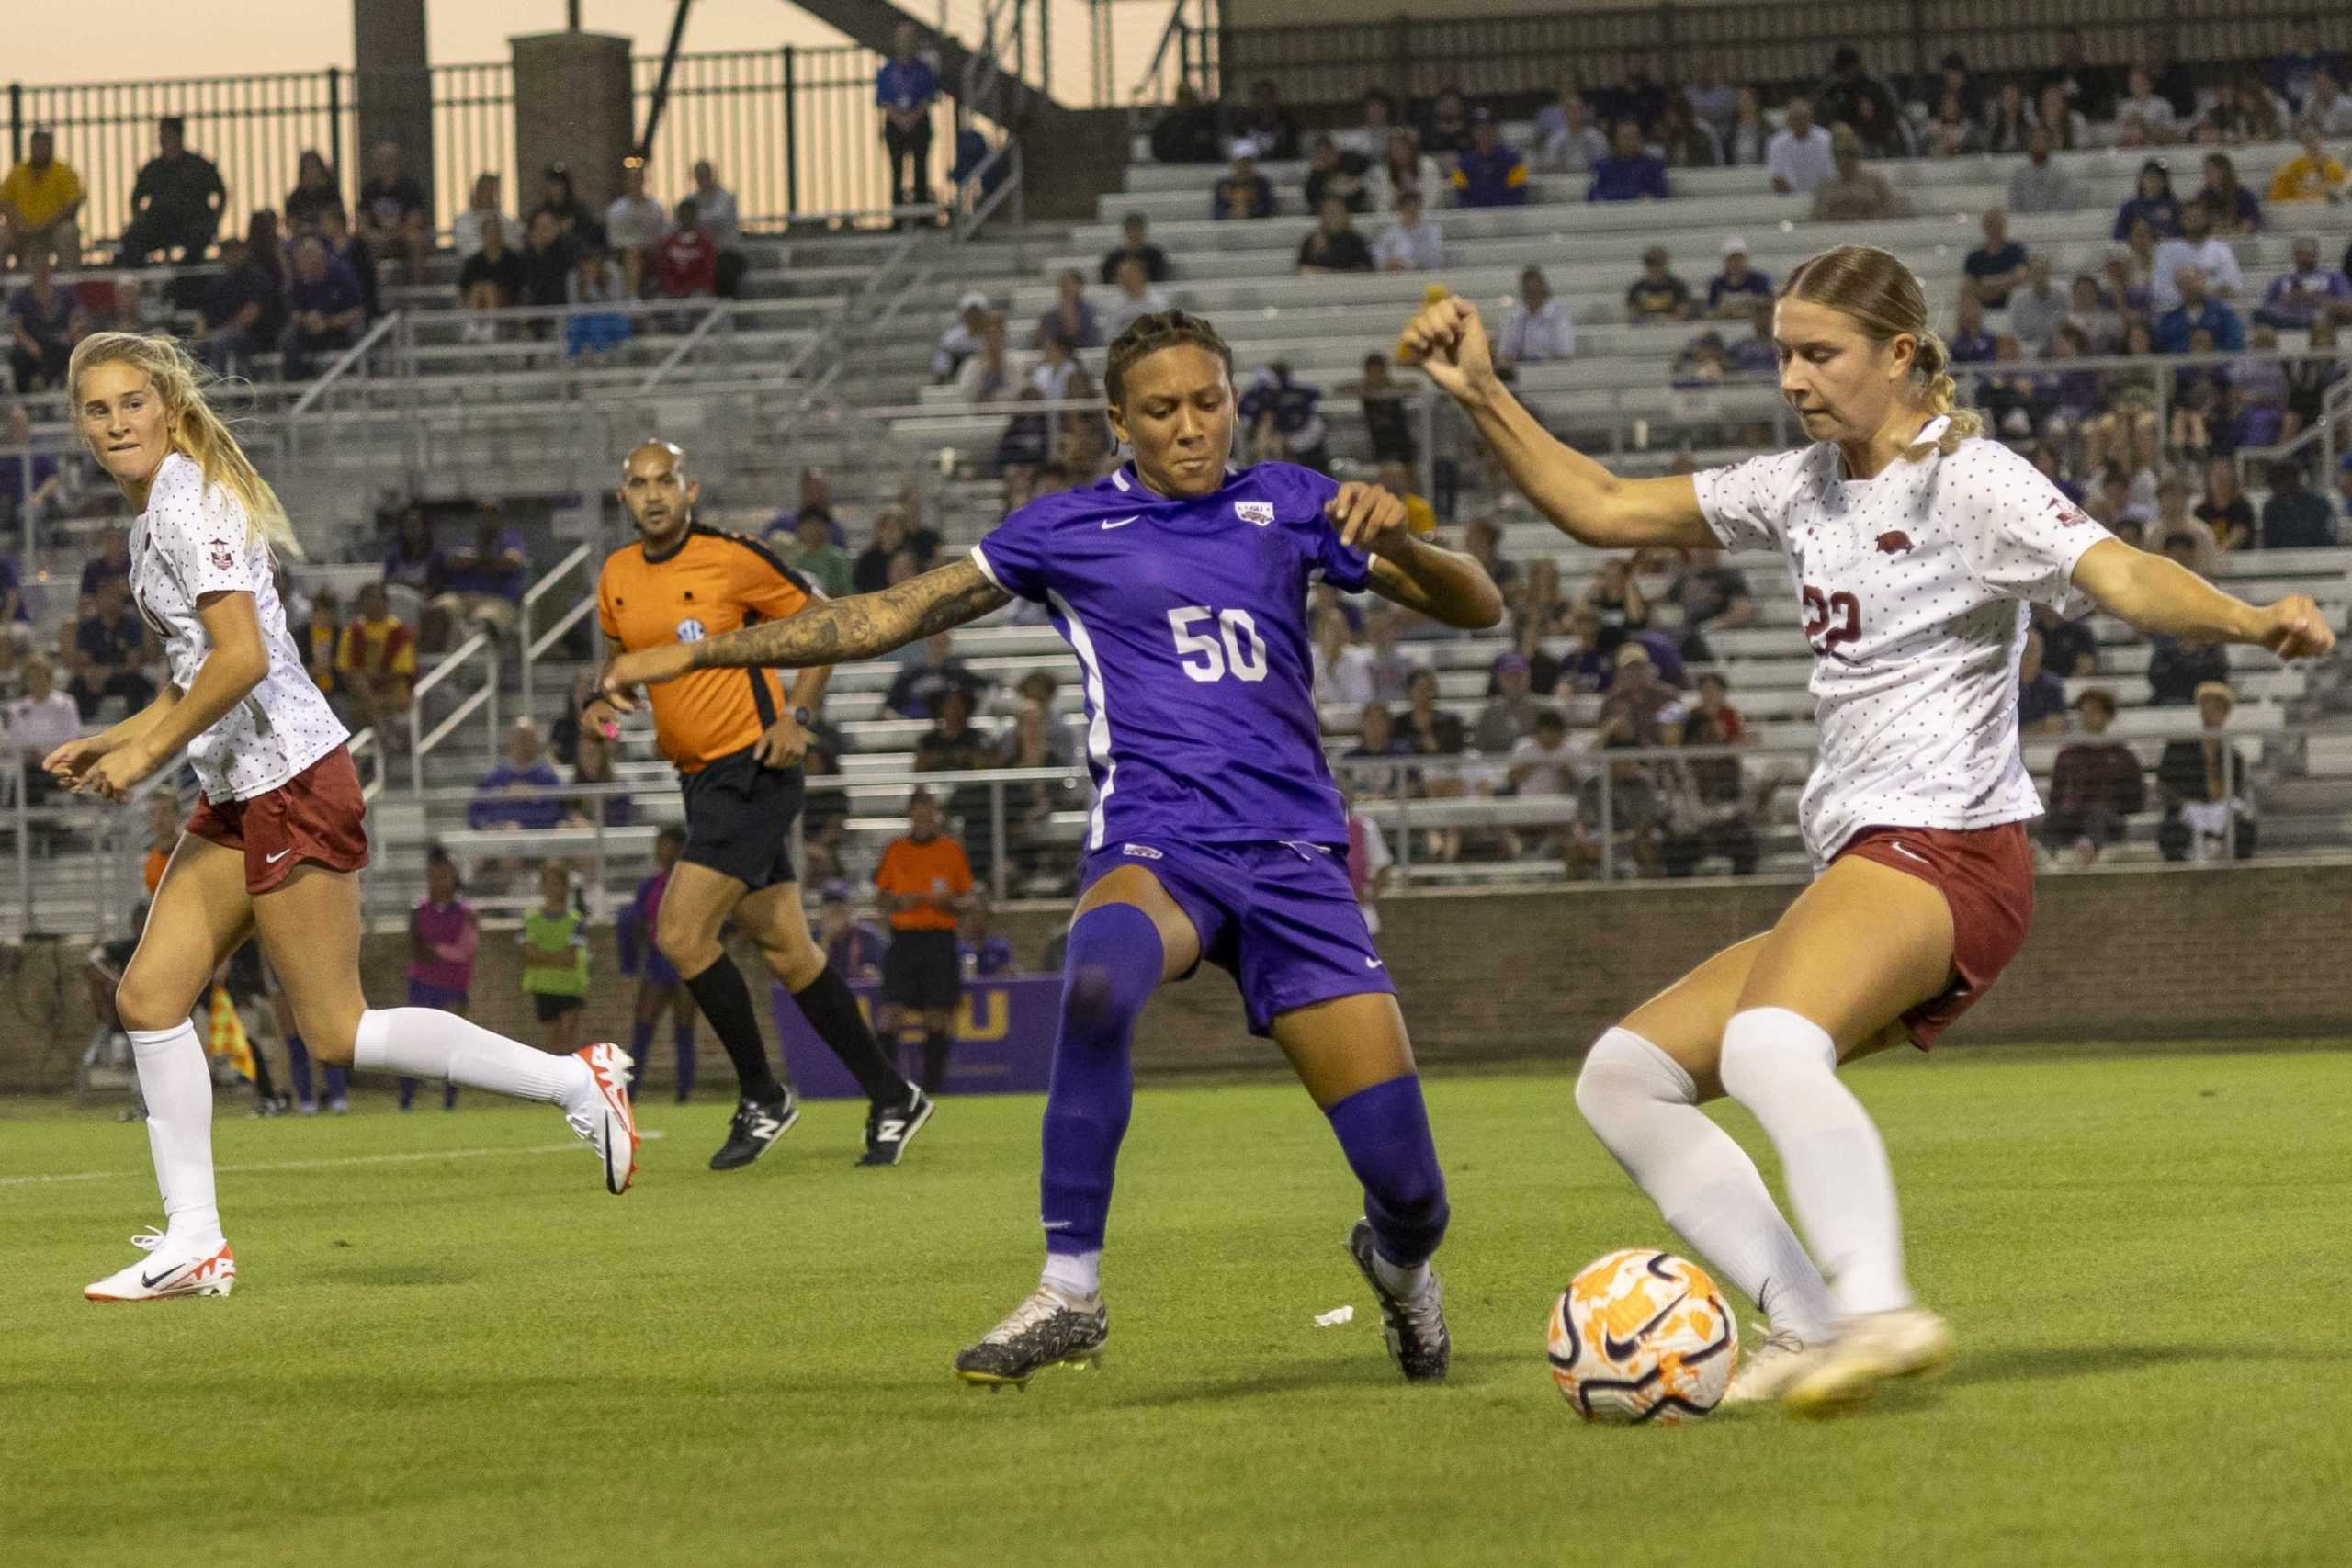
{"x": 1643, "y": 1336}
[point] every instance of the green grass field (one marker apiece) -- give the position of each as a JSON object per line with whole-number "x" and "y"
{"x": 448, "y": 1346}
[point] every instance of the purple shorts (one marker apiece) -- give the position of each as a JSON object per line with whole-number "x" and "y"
{"x": 445, "y": 998}
{"x": 1280, "y": 918}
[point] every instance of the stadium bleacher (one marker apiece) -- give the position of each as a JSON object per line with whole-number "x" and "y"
{"x": 440, "y": 414}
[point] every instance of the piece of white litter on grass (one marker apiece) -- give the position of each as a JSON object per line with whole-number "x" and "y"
{"x": 1336, "y": 1317}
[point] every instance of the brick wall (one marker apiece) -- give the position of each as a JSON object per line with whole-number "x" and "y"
{"x": 2145, "y": 952}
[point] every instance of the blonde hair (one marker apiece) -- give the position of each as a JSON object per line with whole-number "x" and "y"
{"x": 194, "y": 431}
{"x": 1879, "y": 294}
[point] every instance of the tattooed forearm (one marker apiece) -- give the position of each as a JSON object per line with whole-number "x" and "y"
{"x": 865, "y": 625}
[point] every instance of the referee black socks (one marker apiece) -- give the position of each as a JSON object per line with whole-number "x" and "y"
{"x": 830, "y": 1009}
{"x": 724, "y": 999}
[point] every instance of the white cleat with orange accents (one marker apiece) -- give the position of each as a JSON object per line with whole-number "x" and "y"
{"x": 606, "y": 1120}
{"x": 170, "y": 1269}
{"x": 1869, "y": 1351}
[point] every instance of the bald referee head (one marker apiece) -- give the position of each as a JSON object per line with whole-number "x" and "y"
{"x": 659, "y": 497}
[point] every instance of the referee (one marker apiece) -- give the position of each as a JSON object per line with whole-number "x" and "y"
{"x": 737, "y": 742}
{"x": 926, "y": 884}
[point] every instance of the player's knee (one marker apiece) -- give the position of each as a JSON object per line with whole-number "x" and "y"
{"x": 796, "y": 964}
{"x": 1623, "y": 1072}
{"x": 1112, "y": 967}
{"x": 142, "y": 1004}
{"x": 1764, "y": 1047}
{"x": 689, "y": 952}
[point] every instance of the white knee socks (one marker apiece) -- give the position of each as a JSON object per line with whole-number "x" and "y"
{"x": 177, "y": 1083}
{"x": 425, "y": 1042}
{"x": 1644, "y": 1109}
{"x": 1783, "y": 1068}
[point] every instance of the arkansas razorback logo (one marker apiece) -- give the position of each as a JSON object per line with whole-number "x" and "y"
{"x": 1888, "y": 543}
{"x": 222, "y": 557}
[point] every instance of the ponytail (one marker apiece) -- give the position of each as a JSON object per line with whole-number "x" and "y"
{"x": 1931, "y": 368}
{"x": 196, "y": 431}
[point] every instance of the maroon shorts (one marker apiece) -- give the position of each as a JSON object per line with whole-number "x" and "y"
{"x": 1986, "y": 877}
{"x": 318, "y": 816}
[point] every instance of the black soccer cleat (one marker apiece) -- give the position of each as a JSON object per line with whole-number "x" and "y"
{"x": 889, "y": 1129}
{"x": 1047, "y": 1329}
{"x": 1413, "y": 1326}
{"x": 757, "y": 1125}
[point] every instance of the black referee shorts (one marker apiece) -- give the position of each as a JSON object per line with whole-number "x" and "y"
{"x": 739, "y": 817}
{"x": 923, "y": 971}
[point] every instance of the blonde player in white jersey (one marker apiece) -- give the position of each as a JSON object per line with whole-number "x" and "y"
{"x": 273, "y": 849}
{"x": 1916, "y": 546}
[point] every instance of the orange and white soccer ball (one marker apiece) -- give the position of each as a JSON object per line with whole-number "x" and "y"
{"x": 1643, "y": 1336}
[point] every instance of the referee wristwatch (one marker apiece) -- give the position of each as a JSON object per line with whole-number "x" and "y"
{"x": 804, "y": 718}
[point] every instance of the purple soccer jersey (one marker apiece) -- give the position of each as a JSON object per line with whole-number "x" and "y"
{"x": 1189, "y": 621}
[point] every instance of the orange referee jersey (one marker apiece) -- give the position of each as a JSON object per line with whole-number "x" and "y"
{"x": 934, "y": 865}
{"x": 709, "y": 583}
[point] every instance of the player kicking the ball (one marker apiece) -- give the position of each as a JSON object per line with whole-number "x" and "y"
{"x": 1216, "y": 832}
{"x": 1916, "y": 546}
{"x": 274, "y": 847}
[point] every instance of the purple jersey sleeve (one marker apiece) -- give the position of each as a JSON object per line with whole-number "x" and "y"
{"x": 1328, "y": 560}
{"x": 1015, "y": 554}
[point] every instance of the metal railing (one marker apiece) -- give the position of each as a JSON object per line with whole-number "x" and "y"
{"x": 1751, "y": 43}
{"x": 484, "y": 698}
{"x": 535, "y": 647}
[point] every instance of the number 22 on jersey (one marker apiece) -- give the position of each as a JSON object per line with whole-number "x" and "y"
{"x": 1243, "y": 652}
{"x": 1831, "y": 619}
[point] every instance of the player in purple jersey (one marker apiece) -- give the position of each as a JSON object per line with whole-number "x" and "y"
{"x": 1216, "y": 833}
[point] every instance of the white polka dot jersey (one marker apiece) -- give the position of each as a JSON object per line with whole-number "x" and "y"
{"x": 192, "y": 541}
{"x": 1915, "y": 588}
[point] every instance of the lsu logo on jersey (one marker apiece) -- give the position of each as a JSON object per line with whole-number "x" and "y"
{"x": 690, "y": 630}
{"x": 1260, "y": 512}
{"x": 1141, "y": 852}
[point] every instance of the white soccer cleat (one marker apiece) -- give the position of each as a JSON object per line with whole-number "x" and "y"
{"x": 1873, "y": 1348}
{"x": 606, "y": 1122}
{"x": 1770, "y": 1368}
{"x": 171, "y": 1269}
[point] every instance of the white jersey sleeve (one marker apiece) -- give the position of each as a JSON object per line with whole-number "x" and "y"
{"x": 1747, "y": 505}
{"x": 2019, "y": 534}
{"x": 199, "y": 536}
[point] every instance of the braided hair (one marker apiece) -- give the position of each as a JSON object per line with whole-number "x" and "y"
{"x": 1146, "y": 335}
{"x": 1882, "y": 296}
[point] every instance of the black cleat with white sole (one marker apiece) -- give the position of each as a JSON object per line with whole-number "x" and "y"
{"x": 1047, "y": 1329}
{"x": 1413, "y": 1326}
{"x": 889, "y": 1129}
{"x": 757, "y": 1125}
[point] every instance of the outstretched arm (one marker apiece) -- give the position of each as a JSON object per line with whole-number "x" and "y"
{"x": 1582, "y": 498}
{"x": 1444, "y": 584}
{"x": 865, "y": 625}
{"x": 2158, "y": 594}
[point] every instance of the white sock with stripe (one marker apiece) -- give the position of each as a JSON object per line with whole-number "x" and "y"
{"x": 176, "y": 1082}
{"x": 425, "y": 1042}
{"x": 1783, "y": 1068}
{"x": 1644, "y": 1109}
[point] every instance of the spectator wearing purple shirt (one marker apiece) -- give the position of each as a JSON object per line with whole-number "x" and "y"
{"x": 1244, "y": 193}
{"x": 853, "y": 948}
{"x": 482, "y": 583}
{"x": 325, "y": 307}
{"x": 1630, "y": 173}
{"x": 521, "y": 791}
{"x": 2296, "y": 297}
{"x": 1489, "y": 172}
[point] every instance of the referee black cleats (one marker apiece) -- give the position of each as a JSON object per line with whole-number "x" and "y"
{"x": 757, "y": 1125}
{"x": 890, "y": 1128}
{"x": 1413, "y": 1326}
{"x": 1047, "y": 1329}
